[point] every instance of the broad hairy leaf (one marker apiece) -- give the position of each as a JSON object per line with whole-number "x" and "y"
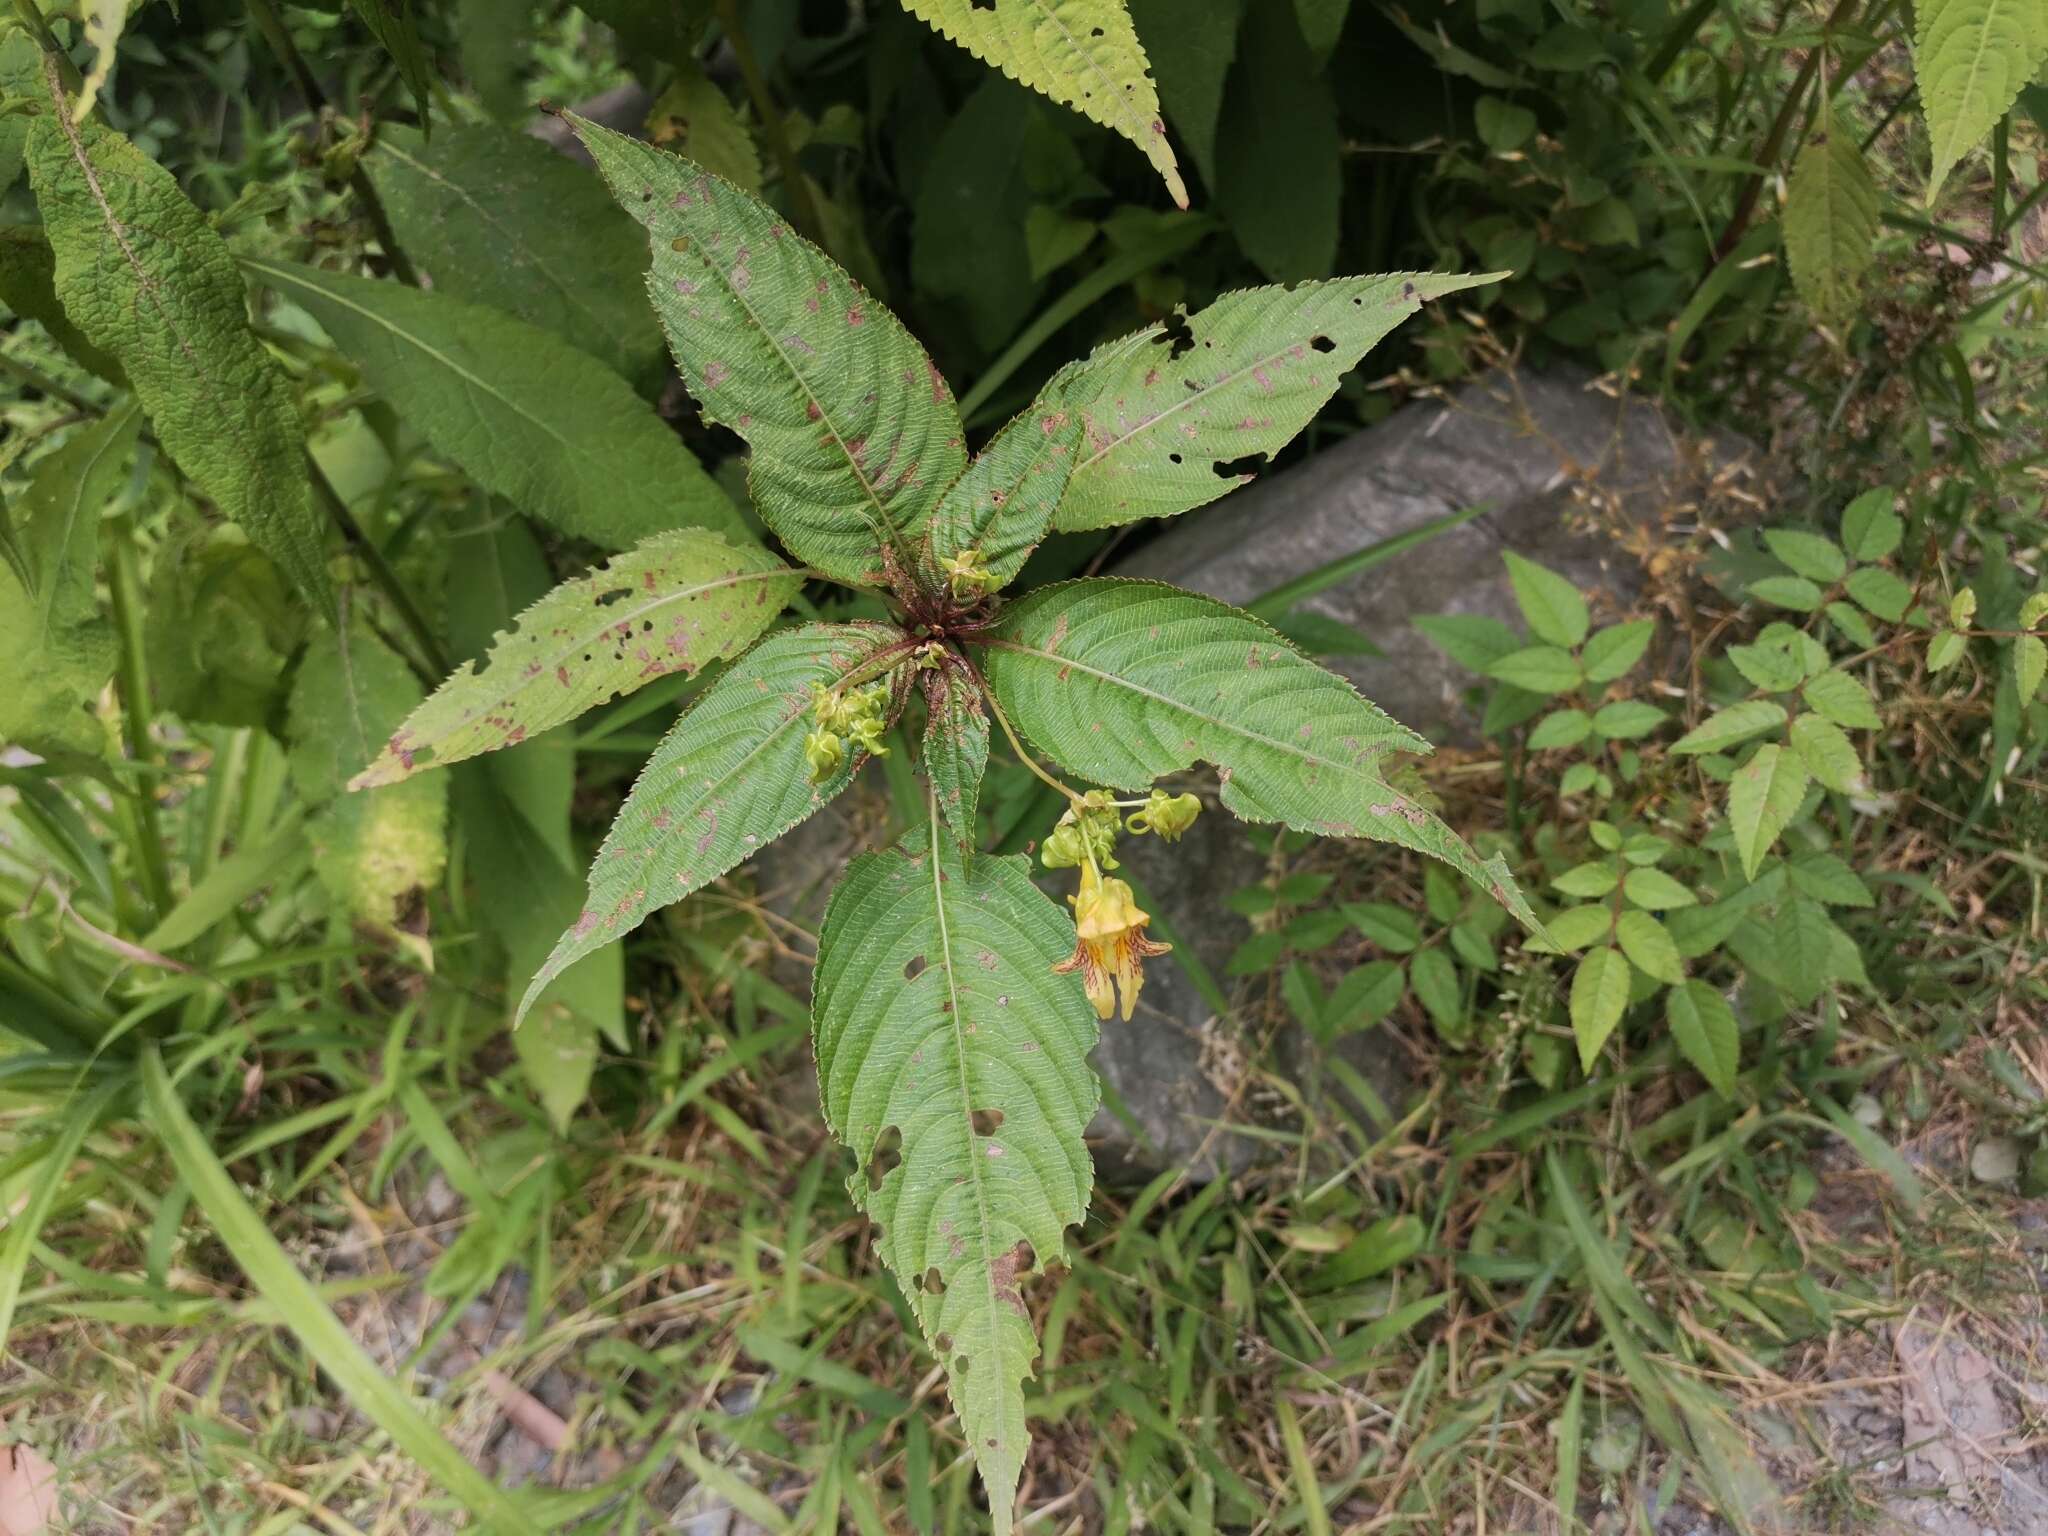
{"x": 728, "y": 780}
{"x": 493, "y": 216}
{"x": 853, "y": 430}
{"x": 28, "y": 286}
{"x": 955, "y": 748}
{"x": 952, "y": 1062}
{"x": 147, "y": 279}
{"x": 1971, "y": 58}
{"x": 55, "y": 648}
{"x": 371, "y": 850}
{"x": 1003, "y": 505}
{"x": 670, "y": 604}
{"x": 1125, "y": 682}
{"x": 1831, "y": 220}
{"x": 1084, "y": 54}
{"x": 1179, "y": 412}
{"x": 524, "y": 414}
{"x": 1762, "y": 797}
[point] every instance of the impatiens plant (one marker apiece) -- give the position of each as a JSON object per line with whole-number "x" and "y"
{"x": 952, "y": 999}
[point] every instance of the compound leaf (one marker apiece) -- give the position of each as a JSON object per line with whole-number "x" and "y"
{"x": 1971, "y": 59}
{"x": 1084, "y": 54}
{"x": 729, "y": 779}
{"x": 147, "y": 279}
{"x": 1124, "y": 682}
{"x": 671, "y": 604}
{"x": 853, "y": 430}
{"x": 524, "y": 414}
{"x": 1178, "y": 413}
{"x": 952, "y": 1061}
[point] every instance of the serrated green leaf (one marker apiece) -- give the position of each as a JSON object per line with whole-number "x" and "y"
{"x": 1573, "y": 929}
{"x": 148, "y": 280}
{"x": 2029, "y": 665}
{"x": 1599, "y": 998}
{"x": 1854, "y": 627}
{"x": 938, "y": 1017}
{"x": 525, "y": 414}
{"x": 1655, "y": 891}
{"x": 1588, "y": 881}
{"x": 1004, "y": 503}
{"x": 1475, "y": 641}
{"x": 674, "y": 603}
{"x": 374, "y": 849}
{"x": 1561, "y": 728}
{"x": 1553, "y": 607}
{"x": 1649, "y": 947}
{"x": 1704, "y": 1029}
{"x": 853, "y": 430}
{"x": 1794, "y": 592}
{"x": 28, "y": 286}
{"x": 1808, "y": 554}
{"x": 493, "y": 216}
{"x": 1843, "y": 700}
{"x": 1386, "y": 925}
{"x": 55, "y": 647}
{"x": 1828, "y": 878}
{"x": 1124, "y": 682}
{"x": 1971, "y": 58}
{"x": 1244, "y": 379}
{"x": 1727, "y": 727}
{"x": 1945, "y": 650}
{"x": 1831, "y": 222}
{"x": 1762, "y": 798}
{"x": 693, "y": 117}
{"x": 1627, "y": 719}
{"x": 955, "y": 748}
{"x": 729, "y": 779}
{"x": 1544, "y": 669}
{"x": 1880, "y": 592}
{"x": 1769, "y": 667}
{"x": 1870, "y": 528}
{"x": 1828, "y": 754}
{"x": 1612, "y": 651}
{"x": 1434, "y": 979}
{"x": 1084, "y": 54}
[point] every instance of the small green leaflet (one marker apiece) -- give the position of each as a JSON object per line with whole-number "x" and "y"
{"x": 1649, "y": 947}
{"x": 1612, "y": 651}
{"x": 955, "y": 748}
{"x": 1125, "y": 682}
{"x": 2029, "y": 665}
{"x": 728, "y": 780}
{"x": 147, "y": 279}
{"x": 1084, "y": 54}
{"x": 525, "y": 414}
{"x": 1843, "y": 700}
{"x": 1703, "y": 1027}
{"x": 1553, "y": 607}
{"x": 372, "y": 850}
{"x": 1870, "y": 528}
{"x": 1005, "y": 502}
{"x": 854, "y": 431}
{"x": 671, "y": 604}
{"x": 1827, "y": 753}
{"x": 1727, "y": 727}
{"x": 1971, "y": 59}
{"x": 1168, "y": 405}
{"x": 1831, "y": 221}
{"x": 493, "y": 216}
{"x": 1762, "y": 798}
{"x": 1599, "y": 998}
{"x": 953, "y": 1063}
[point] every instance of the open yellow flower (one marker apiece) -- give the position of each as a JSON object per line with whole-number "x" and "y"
{"x": 1111, "y": 947}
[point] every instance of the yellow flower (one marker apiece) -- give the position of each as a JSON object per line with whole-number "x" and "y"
{"x": 967, "y": 573}
{"x": 1111, "y": 946}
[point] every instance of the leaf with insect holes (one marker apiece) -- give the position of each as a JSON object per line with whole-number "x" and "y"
{"x": 1971, "y": 59}
{"x": 372, "y": 850}
{"x": 672, "y": 604}
{"x": 726, "y": 781}
{"x": 1598, "y": 1000}
{"x": 1004, "y": 504}
{"x": 953, "y": 1063}
{"x": 1762, "y": 798}
{"x": 1832, "y": 206}
{"x": 149, "y": 281}
{"x": 1178, "y": 413}
{"x": 525, "y": 414}
{"x": 1704, "y": 1029}
{"x": 955, "y": 747}
{"x": 1084, "y": 54}
{"x": 1124, "y": 682}
{"x": 853, "y": 430}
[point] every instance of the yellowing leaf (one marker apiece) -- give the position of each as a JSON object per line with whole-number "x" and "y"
{"x": 105, "y": 20}
{"x": 1084, "y": 54}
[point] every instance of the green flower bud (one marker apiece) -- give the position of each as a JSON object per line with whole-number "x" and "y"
{"x": 1165, "y": 816}
{"x": 824, "y": 752}
{"x": 967, "y": 574}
